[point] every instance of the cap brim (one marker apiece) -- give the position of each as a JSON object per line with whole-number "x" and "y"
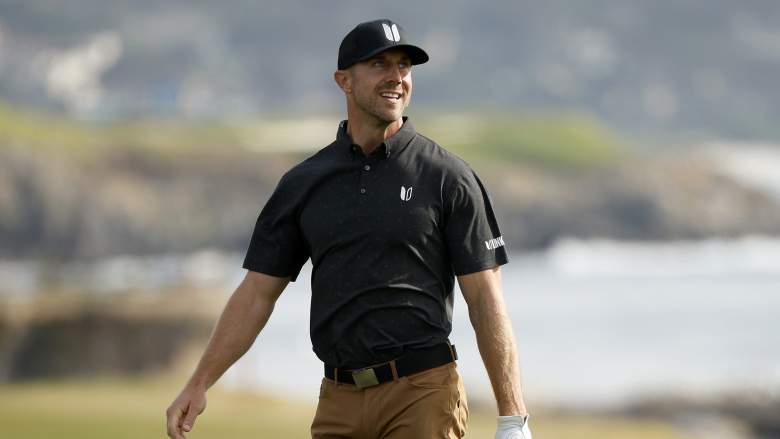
{"x": 416, "y": 55}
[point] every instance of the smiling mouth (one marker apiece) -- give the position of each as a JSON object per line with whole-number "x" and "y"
{"x": 391, "y": 95}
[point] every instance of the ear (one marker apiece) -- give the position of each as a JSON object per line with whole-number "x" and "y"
{"x": 343, "y": 79}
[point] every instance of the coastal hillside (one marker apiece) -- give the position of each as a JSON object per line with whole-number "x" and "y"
{"x": 69, "y": 189}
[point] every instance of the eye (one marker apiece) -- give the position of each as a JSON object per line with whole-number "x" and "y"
{"x": 378, "y": 63}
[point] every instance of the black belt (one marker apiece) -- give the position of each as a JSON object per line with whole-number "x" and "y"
{"x": 411, "y": 362}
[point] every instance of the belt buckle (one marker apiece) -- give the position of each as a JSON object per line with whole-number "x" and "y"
{"x": 365, "y": 378}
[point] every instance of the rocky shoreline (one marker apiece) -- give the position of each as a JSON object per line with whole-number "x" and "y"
{"x": 126, "y": 203}
{"x": 60, "y": 336}
{"x": 64, "y": 335}
{"x": 94, "y": 344}
{"x": 681, "y": 197}
{"x": 745, "y": 415}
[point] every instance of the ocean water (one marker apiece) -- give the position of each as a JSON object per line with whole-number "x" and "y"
{"x": 598, "y": 324}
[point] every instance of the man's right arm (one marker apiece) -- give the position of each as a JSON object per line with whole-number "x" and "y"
{"x": 244, "y": 316}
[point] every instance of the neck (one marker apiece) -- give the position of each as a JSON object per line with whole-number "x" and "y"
{"x": 370, "y": 134}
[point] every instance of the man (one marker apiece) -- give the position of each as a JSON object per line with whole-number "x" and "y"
{"x": 388, "y": 218}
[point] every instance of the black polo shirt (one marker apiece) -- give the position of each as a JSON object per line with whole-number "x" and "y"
{"x": 386, "y": 234}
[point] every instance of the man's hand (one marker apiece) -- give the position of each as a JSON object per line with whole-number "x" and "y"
{"x": 245, "y": 314}
{"x": 513, "y": 427}
{"x": 183, "y": 410}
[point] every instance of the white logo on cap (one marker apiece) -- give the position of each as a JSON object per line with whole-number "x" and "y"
{"x": 391, "y": 32}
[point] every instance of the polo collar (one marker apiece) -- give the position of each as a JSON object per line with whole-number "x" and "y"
{"x": 395, "y": 143}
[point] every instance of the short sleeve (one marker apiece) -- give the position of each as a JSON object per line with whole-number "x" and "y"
{"x": 473, "y": 238}
{"x": 277, "y": 246}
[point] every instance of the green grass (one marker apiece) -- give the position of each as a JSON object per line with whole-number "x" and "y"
{"x": 21, "y": 128}
{"x": 135, "y": 408}
{"x": 563, "y": 140}
{"x": 120, "y": 408}
{"x": 559, "y": 140}
{"x": 64, "y": 136}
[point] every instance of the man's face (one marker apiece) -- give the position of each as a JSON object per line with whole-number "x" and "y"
{"x": 382, "y": 85}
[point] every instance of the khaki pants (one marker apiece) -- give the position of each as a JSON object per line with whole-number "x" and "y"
{"x": 427, "y": 405}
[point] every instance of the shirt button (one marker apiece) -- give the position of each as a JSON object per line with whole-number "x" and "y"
{"x": 367, "y": 167}
{"x": 362, "y": 190}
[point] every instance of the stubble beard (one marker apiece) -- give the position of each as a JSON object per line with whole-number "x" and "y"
{"x": 372, "y": 105}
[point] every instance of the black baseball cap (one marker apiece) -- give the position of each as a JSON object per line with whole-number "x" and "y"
{"x": 372, "y": 37}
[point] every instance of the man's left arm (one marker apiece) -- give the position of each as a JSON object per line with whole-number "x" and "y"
{"x": 495, "y": 338}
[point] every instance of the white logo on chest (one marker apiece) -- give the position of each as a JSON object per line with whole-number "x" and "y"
{"x": 406, "y": 193}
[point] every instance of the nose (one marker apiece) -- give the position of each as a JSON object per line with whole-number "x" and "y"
{"x": 394, "y": 74}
